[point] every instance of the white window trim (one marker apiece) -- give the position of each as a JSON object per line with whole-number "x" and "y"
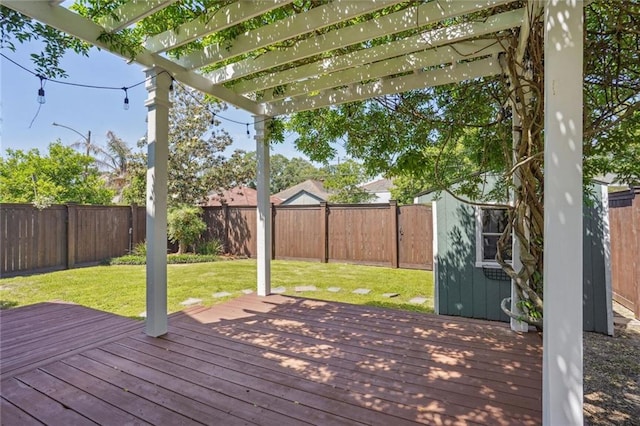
{"x": 480, "y": 262}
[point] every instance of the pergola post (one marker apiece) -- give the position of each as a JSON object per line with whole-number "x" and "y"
{"x": 157, "y": 84}
{"x": 263, "y": 229}
{"x": 562, "y": 382}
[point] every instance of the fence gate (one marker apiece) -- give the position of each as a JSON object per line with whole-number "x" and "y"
{"x": 415, "y": 236}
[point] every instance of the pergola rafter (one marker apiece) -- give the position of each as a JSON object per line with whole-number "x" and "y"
{"x": 283, "y": 30}
{"x": 388, "y": 86}
{"x": 318, "y": 51}
{"x": 336, "y": 51}
{"x": 361, "y": 33}
{"x": 380, "y": 69}
{"x": 130, "y": 13}
{"x": 219, "y": 20}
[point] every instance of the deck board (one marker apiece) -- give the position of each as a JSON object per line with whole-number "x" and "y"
{"x": 448, "y": 384}
{"x": 269, "y": 361}
{"x": 12, "y": 415}
{"x": 51, "y": 336}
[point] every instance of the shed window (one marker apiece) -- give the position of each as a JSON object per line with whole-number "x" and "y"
{"x": 491, "y": 223}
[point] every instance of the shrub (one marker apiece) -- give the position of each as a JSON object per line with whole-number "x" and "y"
{"x": 190, "y": 258}
{"x": 172, "y": 259}
{"x": 130, "y": 259}
{"x": 140, "y": 249}
{"x": 212, "y": 247}
{"x": 185, "y": 225}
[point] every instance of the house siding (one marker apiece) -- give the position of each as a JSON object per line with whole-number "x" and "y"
{"x": 302, "y": 199}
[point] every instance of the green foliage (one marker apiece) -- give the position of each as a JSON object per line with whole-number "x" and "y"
{"x": 287, "y": 172}
{"x": 612, "y": 90}
{"x": 344, "y": 180}
{"x": 172, "y": 259}
{"x": 197, "y": 165}
{"x": 178, "y": 258}
{"x": 15, "y": 27}
{"x": 129, "y": 259}
{"x": 195, "y": 147}
{"x": 405, "y": 188}
{"x": 184, "y": 226}
{"x": 135, "y": 190}
{"x": 140, "y": 249}
{"x": 213, "y": 247}
{"x": 61, "y": 176}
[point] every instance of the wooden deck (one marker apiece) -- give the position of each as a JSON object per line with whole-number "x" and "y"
{"x": 268, "y": 361}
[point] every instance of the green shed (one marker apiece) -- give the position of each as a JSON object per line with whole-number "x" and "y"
{"x": 469, "y": 283}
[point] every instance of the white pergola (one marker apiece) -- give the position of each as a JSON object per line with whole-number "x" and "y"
{"x": 339, "y": 65}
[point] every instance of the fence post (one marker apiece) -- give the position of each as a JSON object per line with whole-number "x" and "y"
{"x": 133, "y": 232}
{"x": 273, "y": 231}
{"x": 225, "y": 224}
{"x": 324, "y": 234}
{"x": 393, "y": 212}
{"x": 635, "y": 212}
{"x": 72, "y": 216}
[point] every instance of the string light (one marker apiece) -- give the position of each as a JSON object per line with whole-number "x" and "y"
{"x": 41, "y": 99}
{"x": 126, "y": 99}
{"x": 41, "y": 93}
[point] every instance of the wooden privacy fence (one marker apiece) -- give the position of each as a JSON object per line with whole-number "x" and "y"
{"x": 624, "y": 221}
{"x": 372, "y": 234}
{"x": 61, "y": 237}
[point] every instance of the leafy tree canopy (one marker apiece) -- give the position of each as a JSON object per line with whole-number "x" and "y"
{"x": 60, "y": 176}
{"x": 343, "y": 180}
{"x": 197, "y": 164}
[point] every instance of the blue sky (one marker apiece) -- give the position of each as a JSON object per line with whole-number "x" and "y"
{"x": 86, "y": 109}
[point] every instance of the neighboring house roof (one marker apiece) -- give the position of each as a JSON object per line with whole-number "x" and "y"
{"x": 238, "y": 196}
{"x": 380, "y": 185}
{"x": 312, "y": 187}
{"x": 303, "y": 197}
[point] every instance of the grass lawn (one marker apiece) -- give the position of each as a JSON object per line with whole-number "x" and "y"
{"x": 121, "y": 289}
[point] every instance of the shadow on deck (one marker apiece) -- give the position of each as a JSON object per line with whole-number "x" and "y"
{"x": 268, "y": 361}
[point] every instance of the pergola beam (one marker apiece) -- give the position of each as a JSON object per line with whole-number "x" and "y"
{"x": 219, "y": 20}
{"x": 419, "y": 42}
{"x": 283, "y": 30}
{"x": 358, "y": 92}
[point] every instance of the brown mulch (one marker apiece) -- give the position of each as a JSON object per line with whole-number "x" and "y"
{"x": 612, "y": 374}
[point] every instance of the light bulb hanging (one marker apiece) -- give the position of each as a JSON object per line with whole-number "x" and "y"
{"x": 213, "y": 118}
{"x": 41, "y": 99}
{"x": 171, "y": 84}
{"x": 126, "y": 99}
{"x": 248, "y": 133}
